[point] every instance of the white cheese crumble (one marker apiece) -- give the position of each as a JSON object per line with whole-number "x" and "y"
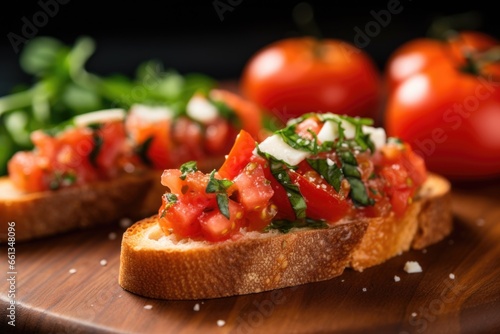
{"x": 412, "y": 267}
{"x": 201, "y": 110}
{"x": 275, "y": 146}
{"x": 221, "y": 323}
{"x": 100, "y": 116}
{"x": 397, "y": 278}
{"x": 151, "y": 114}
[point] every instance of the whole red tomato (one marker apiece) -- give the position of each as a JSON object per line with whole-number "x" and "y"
{"x": 418, "y": 54}
{"x": 450, "y": 113}
{"x": 294, "y": 76}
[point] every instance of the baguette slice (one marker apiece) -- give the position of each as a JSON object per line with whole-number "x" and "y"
{"x": 42, "y": 214}
{"x": 157, "y": 266}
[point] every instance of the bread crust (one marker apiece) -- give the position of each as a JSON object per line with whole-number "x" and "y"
{"x": 427, "y": 220}
{"x": 248, "y": 265}
{"x": 41, "y": 214}
{"x": 151, "y": 267}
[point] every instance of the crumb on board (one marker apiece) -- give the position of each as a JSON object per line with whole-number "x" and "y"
{"x": 414, "y": 314}
{"x": 112, "y": 236}
{"x": 452, "y": 276}
{"x": 196, "y": 307}
{"x": 364, "y": 289}
{"x": 221, "y": 323}
{"x": 103, "y": 262}
{"x": 397, "y": 278}
{"x": 148, "y": 307}
{"x": 125, "y": 222}
{"x": 72, "y": 271}
{"x": 412, "y": 267}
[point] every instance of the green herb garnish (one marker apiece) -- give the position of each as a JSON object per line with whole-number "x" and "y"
{"x": 142, "y": 150}
{"x": 220, "y": 188}
{"x": 331, "y": 172}
{"x": 186, "y": 168}
{"x": 284, "y": 226}
{"x": 171, "y": 199}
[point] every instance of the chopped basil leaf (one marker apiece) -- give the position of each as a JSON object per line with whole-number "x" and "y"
{"x": 98, "y": 141}
{"x": 223, "y": 204}
{"x": 224, "y": 110}
{"x": 188, "y": 167}
{"x": 142, "y": 150}
{"x": 284, "y": 226}
{"x": 220, "y": 188}
{"x": 62, "y": 179}
{"x": 171, "y": 199}
{"x": 347, "y": 157}
{"x": 331, "y": 173}
{"x": 279, "y": 171}
{"x": 350, "y": 170}
{"x": 217, "y": 186}
{"x": 294, "y": 140}
{"x": 294, "y": 196}
{"x": 358, "y": 192}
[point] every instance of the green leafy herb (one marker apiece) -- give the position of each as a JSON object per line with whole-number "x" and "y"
{"x": 358, "y": 192}
{"x": 98, "y": 142}
{"x": 62, "y": 180}
{"x": 294, "y": 140}
{"x": 220, "y": 188}
{"x": 171, "y": 199}
{"x": 331, "y": 172}
{"x": 284, "y": 226}
{"x": 279, "y": 172}
{"x": 188, "y": 167}
{"x": 142, "y": 150}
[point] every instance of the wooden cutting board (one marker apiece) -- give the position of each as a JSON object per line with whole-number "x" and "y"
{"x": 457, "y": 292}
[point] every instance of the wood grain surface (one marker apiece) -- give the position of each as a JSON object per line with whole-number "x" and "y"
{"x": 457, "y": 292}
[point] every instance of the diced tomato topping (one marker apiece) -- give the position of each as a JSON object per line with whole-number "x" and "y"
{"x": 216, "y": 227}
{"x": 239, "y": 155}
{"x": 249, "y": 113}
{"x": 73, "y": 157}
{"x": 151, "y": 139}
{"x": 323, "y": 202}
{"x": 254, "y": 190}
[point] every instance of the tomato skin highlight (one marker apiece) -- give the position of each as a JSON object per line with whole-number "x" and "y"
{"x": 294, "y": 76}
{"x": 419, "y": 54}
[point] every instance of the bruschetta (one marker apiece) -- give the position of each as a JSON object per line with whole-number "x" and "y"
{"x": 106, "y": 165}
{"x": 325, "y": 193}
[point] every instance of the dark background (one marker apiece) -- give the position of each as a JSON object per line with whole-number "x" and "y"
{"x": 191, "y": 37}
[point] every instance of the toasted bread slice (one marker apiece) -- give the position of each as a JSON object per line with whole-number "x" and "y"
{"x": 155, "y": 265}
{"x": 42, "y": 214}
{"x": 427, "y": 220}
